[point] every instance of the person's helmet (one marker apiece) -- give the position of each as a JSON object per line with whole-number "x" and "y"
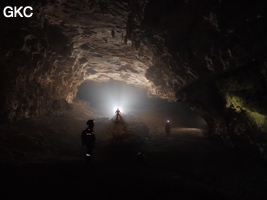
{"x": 91, "y": 122}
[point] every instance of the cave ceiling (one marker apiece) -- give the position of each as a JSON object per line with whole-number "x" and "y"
{"x": 96, "y": 32}
{"x": 107, "y": 42}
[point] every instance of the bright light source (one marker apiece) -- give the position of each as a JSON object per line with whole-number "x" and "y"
{"x": 168, "y": 121}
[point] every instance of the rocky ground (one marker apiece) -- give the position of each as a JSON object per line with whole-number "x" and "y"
{"x": 43, "y": 158}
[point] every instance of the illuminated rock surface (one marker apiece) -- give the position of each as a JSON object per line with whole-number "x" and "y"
{"x": 208, "y": 55}
{"x": 194, "y": 52}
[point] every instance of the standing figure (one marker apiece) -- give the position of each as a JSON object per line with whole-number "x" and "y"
{"x": 88, "y": 139}
{"x": 117, "y": 114}
{"x": 168, "y": 128}
{"x": 140, "y": 159}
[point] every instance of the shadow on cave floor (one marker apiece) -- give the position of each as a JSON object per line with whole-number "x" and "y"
{"x": 43, "y": 158}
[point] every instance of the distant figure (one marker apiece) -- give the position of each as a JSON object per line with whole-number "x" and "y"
{"x": 140, "y": 159}
{"x": 168, "y": 128}
{"x": 88, "y": 139}
{"x": 117, "y": 114}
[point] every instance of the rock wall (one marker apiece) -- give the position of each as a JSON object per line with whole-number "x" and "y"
{"x": 213, "y": 55}
{"x": 210, "y": 55}
{"x": 45, "y": 58}
{"x": 34, "y": 55}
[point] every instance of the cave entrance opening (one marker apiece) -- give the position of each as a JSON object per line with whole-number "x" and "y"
{"x": 134, "y": 102}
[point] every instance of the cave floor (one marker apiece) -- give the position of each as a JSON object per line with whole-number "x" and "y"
{"x": 43, "y": 159}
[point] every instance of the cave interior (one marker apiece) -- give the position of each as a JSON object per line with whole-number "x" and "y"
{"x": 201, "y": 65}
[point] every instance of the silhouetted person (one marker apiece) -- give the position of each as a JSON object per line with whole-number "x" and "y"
{"x": 168, "y": 128}
{"x": 88, "y": 139}
{"x": 140, "y": 159}
{"x": 117, "y": 114}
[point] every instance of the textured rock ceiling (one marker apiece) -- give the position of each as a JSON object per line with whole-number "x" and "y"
{"x": 96, "y": 32}
{"x": 210, "y": 55}
{"x": 68, "y": 42}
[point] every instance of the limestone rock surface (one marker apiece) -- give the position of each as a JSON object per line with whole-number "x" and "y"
{"x": 210, "y": 55}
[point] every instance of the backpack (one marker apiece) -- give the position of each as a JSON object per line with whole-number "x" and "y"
{"x": 87, "y": 136}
